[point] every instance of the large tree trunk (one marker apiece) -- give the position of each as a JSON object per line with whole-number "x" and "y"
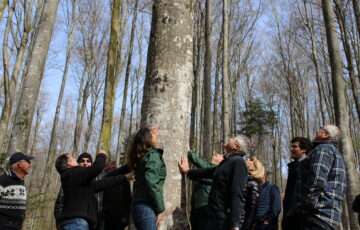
{"x": 167, "y": 95}
{"x": 207, "y": 145}
{"x": 127, "y": 76}
{"x": 225, "y": 73}
{"x": 30, "y": 90}
{"x": 341, "y": 113}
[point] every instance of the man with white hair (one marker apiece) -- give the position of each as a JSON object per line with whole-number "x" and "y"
{"x": 323, "y": 181}
{"x": 226, "y": 201}
{"x": 13, "y": 192}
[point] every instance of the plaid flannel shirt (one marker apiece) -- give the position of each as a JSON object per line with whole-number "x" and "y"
{"x": 323, "y": 183}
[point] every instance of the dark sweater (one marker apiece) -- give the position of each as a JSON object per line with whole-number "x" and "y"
{"x": 226, "y": 199}
{"x": 79, "y": 197}
{"x": 12, "y": 199}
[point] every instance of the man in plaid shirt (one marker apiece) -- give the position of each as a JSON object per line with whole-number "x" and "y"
{"x": 323, "y": 181}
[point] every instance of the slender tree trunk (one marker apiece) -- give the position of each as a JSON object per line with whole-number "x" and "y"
{"x": 348, "y": 54}
{"x": 216, "y": 96}
{"x": 357, "y": 15}
{"x": 110, "y": 87}
{"x": 167, "y": 95}
{"x": 341, "y": 113}
{"x": 30, "y": 90}
{"x": 196, "y": 78}
{"x": 207, "y": 145}
{"x": 83, "y": 95}
{"x": 127, "y": 76}
{"x": 225, "y": 73}
{"x": 3, "y": 4}
{"x": 52, "y": 151}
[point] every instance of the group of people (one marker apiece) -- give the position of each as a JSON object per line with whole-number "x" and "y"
{"x": 230, "y": 192}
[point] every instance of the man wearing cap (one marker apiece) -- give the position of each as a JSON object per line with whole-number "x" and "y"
{"x": 13, "y": 192}
{"x": 84, "y": 160}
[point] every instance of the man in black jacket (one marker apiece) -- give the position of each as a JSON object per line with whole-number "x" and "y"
{"x": 299, "y": 148}
{"x": 13, "y": 192}
{"x": 80, "y": 205}
{"x": 226, "y": 200}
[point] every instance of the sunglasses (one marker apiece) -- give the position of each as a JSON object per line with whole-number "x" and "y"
{"x": 84, "y": 160}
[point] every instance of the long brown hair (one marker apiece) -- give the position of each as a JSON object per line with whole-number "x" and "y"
{"x": 140, "y": 145}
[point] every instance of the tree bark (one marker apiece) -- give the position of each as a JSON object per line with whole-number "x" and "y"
{"x": 340, "y": 14}
{"x": 30, "y": 90}
{"x": 127, "y": 76}
{"x": 110, "y": 84}
{"x": 357, "y": 15}
{"x": 52, "y": 151}
{"x": 207, "y": 145}
{"x": 216, "y": 97}
{"x": 225, "y": 73}
{"x": 341, "y": 114}
{"x": 3, "y": 4}
{"x": 167, "y": 95}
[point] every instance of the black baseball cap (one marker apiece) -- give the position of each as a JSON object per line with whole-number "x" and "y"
{"x": 18, "y": 156}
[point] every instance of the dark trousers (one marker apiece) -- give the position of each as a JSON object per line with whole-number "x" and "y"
{"x": 113, "y": 224}
{"x": 8, "y": 224}
{"x": 198, "y": 220}
{"x": 271, "y": 226}
{"x": 291, "y": 223}
{"x": 218, "y": 224}
{"x": 310, "y": 222}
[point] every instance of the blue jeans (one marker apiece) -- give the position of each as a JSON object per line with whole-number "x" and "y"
{"x": 144, "y": 217}
{"x": 74, "y": 224}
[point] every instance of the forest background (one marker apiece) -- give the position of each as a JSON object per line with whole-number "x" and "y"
{"x": 79, "y": 75}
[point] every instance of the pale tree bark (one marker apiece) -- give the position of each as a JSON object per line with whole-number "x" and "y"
{"x": 3, "y": 4}
{"x": 341, "y": 113}
{"x": 207, "y": 145}
{"x": 30, "y": 90}
{"x": 126, "y": 83}
{"x": 110, "y": 84}
{"x": 11, "y": 83}
{"x": 167, "y": 95}
{"x": 225, "y": 74}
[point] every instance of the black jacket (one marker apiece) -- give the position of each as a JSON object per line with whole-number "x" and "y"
{"x": 251, "y": 195}
{"x": 79, "y": 191}
{"x": 293, "y": 174}
{"x": 226, "y": 199}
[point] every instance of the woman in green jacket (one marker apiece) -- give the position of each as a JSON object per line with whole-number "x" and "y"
{"x": 150, "y": 174}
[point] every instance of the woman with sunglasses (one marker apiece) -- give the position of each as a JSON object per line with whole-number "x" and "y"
{"x": 150, "y": 172}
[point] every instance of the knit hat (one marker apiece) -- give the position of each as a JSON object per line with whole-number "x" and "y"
{"x": 84, "y": 155}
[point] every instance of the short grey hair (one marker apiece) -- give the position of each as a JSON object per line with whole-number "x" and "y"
{"x": 333, "y": 131}
{"x": 244, "y": 143}
{"x": 15, "y": 165}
